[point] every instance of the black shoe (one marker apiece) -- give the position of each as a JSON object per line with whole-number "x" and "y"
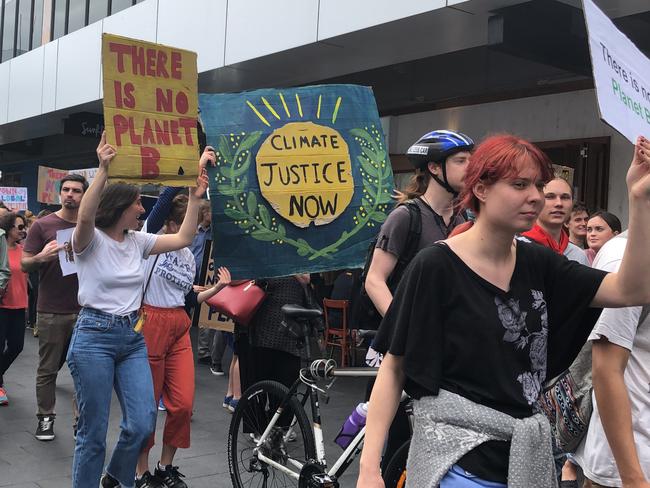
{"x": 45, "y": 429}
{"x": 207, "y": 360}
{"x": 170, "y": 477}
{"x": 108, "y": 481}
{"x": 148, "y": 481}
{"x": 216, "y": 370}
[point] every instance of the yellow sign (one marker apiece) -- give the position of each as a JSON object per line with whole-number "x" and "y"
{"x": 209, "y": 318}
{"x": 304, "y": 172}
{"x": 150, "y": 111}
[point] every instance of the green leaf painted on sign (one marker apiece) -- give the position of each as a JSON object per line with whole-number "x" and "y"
{"x": 264, "y": 215}
{"x": 251, "y": 203}
{"x": 264, "y": 235}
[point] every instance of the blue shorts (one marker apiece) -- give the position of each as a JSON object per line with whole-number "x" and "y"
{"x": 457, "y": 477}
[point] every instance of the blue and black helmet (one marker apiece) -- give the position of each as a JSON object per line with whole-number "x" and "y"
{"x": 435, "y": 147}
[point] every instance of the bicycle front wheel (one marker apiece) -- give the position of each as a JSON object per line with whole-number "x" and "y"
{"x": 395, "y": 475}
{"x": 289, "y": 444}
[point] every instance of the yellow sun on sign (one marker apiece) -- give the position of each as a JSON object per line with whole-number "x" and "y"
{"x": 304, "y": 168}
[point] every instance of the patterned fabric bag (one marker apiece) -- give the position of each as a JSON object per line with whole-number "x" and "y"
{"x": 566, "y": 402}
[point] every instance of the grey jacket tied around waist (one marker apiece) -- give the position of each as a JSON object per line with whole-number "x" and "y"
{"x": 448, "y": 426}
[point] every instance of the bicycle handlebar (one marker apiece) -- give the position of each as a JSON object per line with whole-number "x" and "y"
{"x": 324, "y": 369}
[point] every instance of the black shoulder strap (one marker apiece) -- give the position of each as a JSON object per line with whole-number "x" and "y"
{"x": 412, "y": 243}
{"x": 153, "y": 266}
{"x": 414, "y": 234}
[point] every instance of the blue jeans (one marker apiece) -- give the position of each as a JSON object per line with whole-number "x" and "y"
{"x": 457, "y": 477}
{"x": 104, "y": 352}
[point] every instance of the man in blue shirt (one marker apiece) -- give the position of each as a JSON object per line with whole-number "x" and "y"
{"x": 211, "y": 344}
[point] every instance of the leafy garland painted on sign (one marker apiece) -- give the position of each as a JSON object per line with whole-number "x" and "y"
{"x": 235, "y": 155}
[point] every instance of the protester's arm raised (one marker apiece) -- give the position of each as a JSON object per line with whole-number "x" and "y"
{"x": 609, "y": 363}
{"x": 382, "y": 265}
{"x": 631, "y": 286}
{"x": 185, "y": 235}
{"x": 85, "y": 229}
{"x": 385, "y": 397}
{"x": 223, "y": 275}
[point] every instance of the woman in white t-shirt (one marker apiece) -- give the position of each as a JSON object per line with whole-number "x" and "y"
{"x": 105, "y": 351}
{"x": 169, "y": 285}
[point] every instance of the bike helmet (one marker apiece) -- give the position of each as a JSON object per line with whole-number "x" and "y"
{"x": 436, "y": 147}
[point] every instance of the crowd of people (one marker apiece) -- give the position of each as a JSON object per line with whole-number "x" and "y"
{"x": 487, "y": 301}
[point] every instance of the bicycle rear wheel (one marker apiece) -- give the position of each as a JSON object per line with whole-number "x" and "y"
{"x": 290, "y": 443}
{"x": 395, "y": 475}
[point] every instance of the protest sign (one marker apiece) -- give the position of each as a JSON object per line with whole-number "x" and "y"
{"x": 48, "y": 189}
{"x": 88, "y": 173}
{"x": 49, "y": 182}
{"x": 150, "y": 111}
{"x": 302, "y": 180}
{"x": 206, "y": 316}
{"x": 621, "y": 75}
{"x": 14, "y": 197}
{"x": 66, "y": 256}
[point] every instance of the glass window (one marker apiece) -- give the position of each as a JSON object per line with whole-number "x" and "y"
{"x": 98, "y": 10}
{"x": 38, "y": 24}
{"x": 9, "y": 30}
{"x": 76, "y": 15}
{"x": 24, "y": 26}
{"x": 59, "y": 18}
{"x": 118, "y": 5}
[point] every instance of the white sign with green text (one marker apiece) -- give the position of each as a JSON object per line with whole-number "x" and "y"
{"x": 621, "y": 75}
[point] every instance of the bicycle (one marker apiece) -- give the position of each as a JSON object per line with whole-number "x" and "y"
{"x": 271, "y": 441}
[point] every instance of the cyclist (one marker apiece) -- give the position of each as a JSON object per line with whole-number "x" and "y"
{"x": 439, "y": 158}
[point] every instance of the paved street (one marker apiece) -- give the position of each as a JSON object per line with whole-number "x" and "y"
{"x": 28, "y": 463}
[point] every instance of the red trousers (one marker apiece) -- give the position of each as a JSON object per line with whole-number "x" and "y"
{"x": 167, "y": 335}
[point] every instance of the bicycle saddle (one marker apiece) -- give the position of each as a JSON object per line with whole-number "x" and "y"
{"x": 297, "y": 312}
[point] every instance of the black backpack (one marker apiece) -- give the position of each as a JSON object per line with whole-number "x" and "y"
{"x": 364, "y": 314}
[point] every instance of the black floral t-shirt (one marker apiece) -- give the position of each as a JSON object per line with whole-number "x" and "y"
{"x": 461, "y": 333}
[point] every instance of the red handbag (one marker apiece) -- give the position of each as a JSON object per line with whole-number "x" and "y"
{"x": 239, "y": 302}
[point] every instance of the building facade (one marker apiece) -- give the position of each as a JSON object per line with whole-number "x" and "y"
{"x": 479, "y": 66}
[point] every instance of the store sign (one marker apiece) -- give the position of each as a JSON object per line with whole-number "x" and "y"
{"x": 302, "y": 180}
{"x": 84, "y": 124}
{"x": 49, "y": 182}
{"x": 621, "y": 75}
{"x": 150, "y": 111}
{"x": 14, "y": 197}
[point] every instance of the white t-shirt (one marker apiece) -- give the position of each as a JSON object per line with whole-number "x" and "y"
{"x": 574, "y": 253}
{"x": 111, "y": 273}
{"x": 172, "y": 278}
{"x": 621, "y": 327}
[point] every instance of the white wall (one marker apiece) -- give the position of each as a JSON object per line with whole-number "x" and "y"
{"x": 67, "y": 72}
{"x": 572, "y": 115}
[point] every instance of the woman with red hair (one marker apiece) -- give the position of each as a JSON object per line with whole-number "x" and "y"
{"x": 481, "y": 320}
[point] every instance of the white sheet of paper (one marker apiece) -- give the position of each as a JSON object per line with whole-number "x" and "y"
{"x": 66, "y": 256}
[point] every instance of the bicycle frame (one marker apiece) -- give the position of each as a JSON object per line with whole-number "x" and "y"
{"x": 348, "y": 455}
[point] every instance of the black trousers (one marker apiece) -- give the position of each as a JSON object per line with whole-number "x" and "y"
{"x": 271, "y": 364}
{"x": 12, "y": 337}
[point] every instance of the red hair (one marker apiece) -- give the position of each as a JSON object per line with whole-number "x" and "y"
{"x": 501, "y": 157}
